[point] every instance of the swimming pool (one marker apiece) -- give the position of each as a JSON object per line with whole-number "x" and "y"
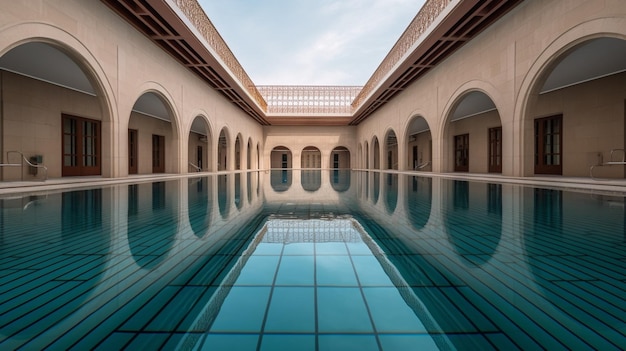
{"x": 313, "y": 260}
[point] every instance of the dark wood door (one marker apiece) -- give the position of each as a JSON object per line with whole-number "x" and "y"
{"x": 495, "y": 150}
{"x": 461, "y": 153}
{"x": 549, "y": 145}
{"x": 158, "y": 154}
{"x": 81, "y": 146}
{"x": 132, "y": 152}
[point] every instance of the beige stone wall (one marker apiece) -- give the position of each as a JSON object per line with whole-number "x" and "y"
{"x": 31, "y": 121}
{"x": 593, "y": 123}
{"x": 297, "y": 138}
{"x": 507, "y": 62}
{"x": 477, "y": 127}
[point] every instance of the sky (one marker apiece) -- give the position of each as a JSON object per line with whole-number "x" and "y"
{"x": 310, "y": 42}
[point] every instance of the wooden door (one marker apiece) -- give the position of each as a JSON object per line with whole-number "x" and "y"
{"x": 461, "y": 153}
{"x": 158, "y": 154}
{"x": 549, "y": 145}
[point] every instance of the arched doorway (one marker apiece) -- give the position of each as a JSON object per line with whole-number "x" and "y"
{"x": 238, "y": 155}
{"x": 376, "y": 153}
{"x": 222, "y": 150}
{"x": 199, "y": 151}
{"x": 575, "y": 111}
{"x": 151, "y": 136}
{"x": 280, "y": 157}
{"x": 249, "y": 155}
{"x": 340, "y": 158}
{"x": 419, "y": 145}
{"x": 391, "y": 150}
{"x": 473, "y": 133}
{"x": 48, "y": 88}
{"x": 311, "y": 157}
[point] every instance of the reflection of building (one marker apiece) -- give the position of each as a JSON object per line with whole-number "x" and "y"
{"x": 114, "y": 88}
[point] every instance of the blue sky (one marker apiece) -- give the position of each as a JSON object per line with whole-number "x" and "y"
{"x": 310, "y": 42}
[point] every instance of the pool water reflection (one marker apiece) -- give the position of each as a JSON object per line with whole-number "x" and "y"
{"x": 250, "y": 264}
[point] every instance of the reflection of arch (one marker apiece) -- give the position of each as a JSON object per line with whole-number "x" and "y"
{"x": 375, "y": 187}
{"x": 419, "y": 144}
{"x": 340, "y": 179}
{"x": 249, "y": 154}
{"x": 375, "y": 153}
{"x": 199, "y": 144}
{"x": 222, "y": 150}
{"x": 573, "y": 79}
{"x": 474, "y": 210}
{"x": 155, "y": 123}
{"x": 340, "y": 157}
{"x": 200, "y": 205}
{"x": 142, "y": 226}
{"x": 471, "y": 116}
{"x": 223, "y": 195}
{"x": 280, "y": 157}
{"x": 391, "y": 192}
{"x": 419, "y": 200}
{"x": 311, "y": 157}
{"x": 249, "y": 186}
{"x": 311, "y": 179}
{"x": 391, "y": 150}
{"x": 238, "y": 201}
{"x": 280, "y": 179}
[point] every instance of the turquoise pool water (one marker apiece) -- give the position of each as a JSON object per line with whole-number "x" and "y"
{"x": 313, "y": 260}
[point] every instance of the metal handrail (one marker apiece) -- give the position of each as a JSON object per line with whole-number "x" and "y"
{"x": 611, "y": 162}
{"x": 420, "y": 166}
{"x": 198, "y": 169}
{"x": 24, "y": 159}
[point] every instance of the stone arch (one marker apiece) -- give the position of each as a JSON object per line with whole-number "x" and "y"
{"x": 200, "y": 143}
{"x": 419, "y": 143}
{"x": 340, "y": 157}
{"x": 25, "y": 33}
{"x": 473, "y": 100}
{"x": 375, "y": 153}
{"x": 525, "y": 111}
{"x": 390, "y": 150}
{"x": 149, "y": 96}
{"x": 223, "y": 149}
{"x": 311, "y": 157}
{"x": 238, "y": 151}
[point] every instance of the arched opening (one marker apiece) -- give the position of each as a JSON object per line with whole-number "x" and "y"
{"x": 151, "y": 137}
{"x": 280, "y": 157}
{"x": 222, "y": 150}
{"x": 376, "y": 153}
{"x": 48, "y": 89}
{"x": 419, "y": 145}
{"x": 238, "y": 155}
{"x": 311, "y": 158}
{"x": 249, "y": 155}
{"x": 366, "y": 156}
{"x": 391, "y": 150}
{"x": 199, "y": 151}
{"x": 200, "y": 205}
{"x": 258, "y": 156}
{"x": 359, "y": 156}
{"x": 340, "y": 158}
{"x": 575, "y": 112}
{"x": 474, "y": 134}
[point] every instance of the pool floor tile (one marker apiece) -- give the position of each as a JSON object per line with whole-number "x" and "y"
{"x": 291, "y": 310}
{"x": 230, "y": 342}
{"x": 419, "y": 342}
{"x": 342, "y": 310}
{"x": 242, "y": 311}
{"x": 287, "y": 342}
{"x": 370, "y": 272}
{"x": 390, "y": 311}
{"x": 296, "y": 270}
{"x": 348, "y": 342}
{"x": 335, "y": 270}
{"x": 259, "y": 270}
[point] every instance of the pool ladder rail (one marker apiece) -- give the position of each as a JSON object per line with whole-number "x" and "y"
{"x": 611, "y": 162}
{"x": 25, "y": 161}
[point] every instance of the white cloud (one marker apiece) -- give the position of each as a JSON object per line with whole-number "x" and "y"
{"x": 302, "y": 42}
